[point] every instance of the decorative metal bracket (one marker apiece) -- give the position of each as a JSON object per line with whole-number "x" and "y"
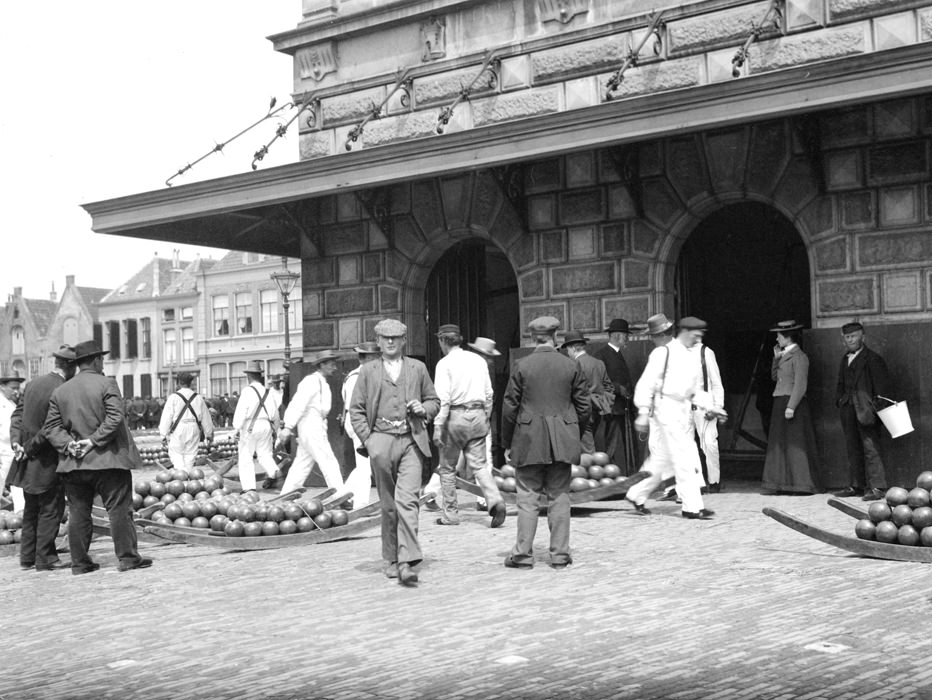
{"x": 491, "y": 68}
{"x": 773, "y": 16}
{"x": 655, "y": 30}
{"x": 378, "y": 205}
{"x": 510, "y": 179}
{"x": 403, "y": 82}
{"x": 310, "y": 104}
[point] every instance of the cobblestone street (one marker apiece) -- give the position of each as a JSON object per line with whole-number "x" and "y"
{"x": 653, "y": 607}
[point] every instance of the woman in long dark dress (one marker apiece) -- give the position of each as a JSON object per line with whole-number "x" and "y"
{"x": 792, "y": 462}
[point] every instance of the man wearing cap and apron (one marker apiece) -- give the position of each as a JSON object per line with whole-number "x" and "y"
{"x": 185, "y": 423}
{"x": 255, "y": 422}
{"x": 307, "y": 414}
{"x": 9, "y": 395}
{"x": 359, "y": 481}
{"x": 462, "y": 424}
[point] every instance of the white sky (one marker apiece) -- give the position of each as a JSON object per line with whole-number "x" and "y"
{"x": 106, "y": 98}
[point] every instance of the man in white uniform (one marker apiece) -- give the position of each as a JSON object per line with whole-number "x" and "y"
{"x": 306, "y": 415}
{"x": 664, "y": 395}
{"x": 9, "y": 393}
{"x": 185, "y": 423}
{"x": 255, "y": 422}
{"x": 359, "y": 481}
{"x": 706, "y": 423}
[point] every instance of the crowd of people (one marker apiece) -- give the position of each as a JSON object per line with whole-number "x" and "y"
{"x": 67, "y": 435}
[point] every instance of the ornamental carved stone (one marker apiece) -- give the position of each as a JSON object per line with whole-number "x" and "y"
{"x": 561, "y": 10}
{"x": 317, "y": 61}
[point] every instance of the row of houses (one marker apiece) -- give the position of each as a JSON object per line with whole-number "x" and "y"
{"x": 209, "y": 317}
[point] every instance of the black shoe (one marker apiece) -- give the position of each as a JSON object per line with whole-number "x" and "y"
{"x": 406, "y": 575}
{"x": 269, "y": 483}
{"x": 54, "y": 567}
{"x": 29, "y": 567}
{"x": 432, "y": 504}
{"x": 143, "y": 563}
{"x": 512, "y": 564}
{"x": 86, "y": 570}
{"x": 558, "y": 565}
{"x": 704, "y": 514}
{"x": 848, "y": 492}
{"x": 715, "y": 488}
{"x": 639, "y": 508}
{"x": 391, "y": 571}
{"x": 498, "y": 514}
{"x": 872, "y": 495}
{"x": 669, "y": 496}
{"x": 482, "y": 506}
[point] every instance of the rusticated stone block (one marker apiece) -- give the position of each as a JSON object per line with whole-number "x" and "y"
{"x": 403, "y": 127}
{"x": 315, "y": 144}
{"x": 769, "y": 153}
{"x": 925, "y": 24}
{"x": 726, "y": 153}
{"x": 803, "y": 13}
{"x": 587, "y": 278}
{"x": 582, "y": 57}
{"x": 902, "y": 291}
{"x": 832, "y": 256}
{"x": 714, "y": 29}
{"x": 443, "y": 88}
{"x": 899, "y": 206}
{"x": 635, "y": 274}
{"x": 686, "y": 168}
{"x": 523, "y": 252}
{"x": 516, "y": 105}
{"x": 661, "y": 203}
{"x": 372, "y": 266}
{"x": 657, "y": 77}
{"x": 857, "y": 210}
{"x": 359, "y": 300}
{"x": 843, "y": 169}
{"x": 320, "y": 334}
{"x": 580, "y": 169}
{"x": 650, "y": 158}
{"x": 838, "y": 296}
{"x": 311, "y": 306}
{"x": 632, "y": 308}
{"x": 885, "y": 250}
{"x": 845, "y": 9}
{"x": 614, "y": 240}
{"x": 543, "y": 175}
{"x": 620, "y": 203}
{"x": 317, "y": 272}
{"x": 581, "y": 242}
{"x": 608, "y": 170}
{"x": 579, "y": 207}
{"x": 551, "y": 246}
{"x": 349, "y": 332}
{"x": 895, "y": 119}
{"x": 542, "y": 211}
{"x": 799, "y": 49}
{"x": 532, "y": 285}
{"x": 515, "y": 72}
{"x": 819, "y": 216}
{"x": 348, "y": 207}
{"x": 846, "y": 126}
{"x": 584, "y": 315}
{"x": 350, "y": 107}
{"x": 408, "y": 239}
{"x": 426, "y": 207}
{"x": 902, "y": 162}
{"x": 389, "y": 298}
{"x": 530, "y": 312}
{"x": 797, "y": 186}
{"x": 346, "y": 238}
{"x": 894, "y": 31}
{"x": 644, "y": 237}
{"x": 396, "y": 265}
{"x": 349, "y": 269}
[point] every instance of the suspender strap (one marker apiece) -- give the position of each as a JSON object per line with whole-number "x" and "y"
{"x": 187, "y": 407}
{"x": 260, "y": 407}
{"x": 705, "y": 370}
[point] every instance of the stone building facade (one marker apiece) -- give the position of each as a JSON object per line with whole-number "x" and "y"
{"x": 743, "y": 161}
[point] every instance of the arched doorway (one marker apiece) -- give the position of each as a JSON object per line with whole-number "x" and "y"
{"x": 742, "y": 269}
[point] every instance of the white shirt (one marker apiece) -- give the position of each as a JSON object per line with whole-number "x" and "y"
{"x": 852, "y": 355}
{"x": 462, "y": 377}
{"x": 716, "y": 388}
{"x": 6, "y": 413}
{"x": 249, "y": 401}
{"x": 349, "y": 383}
{"x": 312, "y": 399}
{"x": 681, "y": 380}
{"x": 175, "y": 406}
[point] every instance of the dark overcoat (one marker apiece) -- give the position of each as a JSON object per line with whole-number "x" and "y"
{"x": 618, "y": 372}
{"x": 869, "y": 374}
{"x": 36, "y": 473}
{"x": 545, "y": 409}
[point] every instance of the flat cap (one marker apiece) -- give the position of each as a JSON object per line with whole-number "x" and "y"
{"x": 390, "y": 328}
{"x": 573, "y": 338}
{"x": 448, "y": 329}
{"x": 691, "y": 323}
{"x": 544, "y": 324}
{"x": 852, "y": 327}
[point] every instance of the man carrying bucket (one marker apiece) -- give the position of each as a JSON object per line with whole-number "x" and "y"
{"x": 862, "y": 378}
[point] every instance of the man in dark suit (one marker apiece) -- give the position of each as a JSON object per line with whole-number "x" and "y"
{"x": 613, "y": 431}
{"x": 392, "y": 404}
{"x": 862, "y": 377}
{"x": 34, "y": 470}
{"x": 601, "y": 391}
{"x": 544, "y": 412}
{"x": 87, "y": 427}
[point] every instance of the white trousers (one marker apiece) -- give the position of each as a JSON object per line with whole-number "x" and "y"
{"x": 314, "y": 448}
{"x": 182, "y": 445}
{"x": 359, "y": 481}
{"x": 16, "y": 493}
{"x": 258, "y": 442}
{"x": 707, "y": 430}
{"x": 672, "y": 453}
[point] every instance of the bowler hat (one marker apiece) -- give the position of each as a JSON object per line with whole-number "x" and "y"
{"x": 87, "y": 349}
{"x": 323, "y": 356}
{"x": 852, "y": 327}
{"x": 544, "y": 324}
{"x": 65, "y": 352}
{"x": 486, "y": 346}
{"x": 254, "y": 367}
{"x": 618, "y": 325}
{"x": 691, "y": 323}
{"x": 573, "y": 337}
{"x": 448, "y": 329}
{"x": 784, "y": 326}
{"x": 12, "y": 378}
{"x": 657, "y": 324}
{"x": 368, "y": 348}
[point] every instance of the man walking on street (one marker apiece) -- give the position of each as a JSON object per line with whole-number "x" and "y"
{"x": 35, "y": 469}
{"x": 87, "y": 426}
{"x": 392, "y": 403}
{"x": 544, "y": 412}
{"x": 359, "y": 481}
{"x": 862, "y": 377}
{"x": 462, "y": 425}
{"x": 601, "y": 390}
{"x": 185, "y": 423}
{"x": 706, "y": 423}
{"x": 255, "y": 422}
{"x": 613, "y": 431}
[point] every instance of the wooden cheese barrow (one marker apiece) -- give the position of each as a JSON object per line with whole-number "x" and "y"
{"x": 619, "y": 488}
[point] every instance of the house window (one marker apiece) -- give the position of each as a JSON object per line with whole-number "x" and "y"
{"x": 237, "y": 378}
{"x": 145, "y": 384}
{"x": 218, "y": 379}
{"x": 99, "y": 334}
{"x": 168, "y": 315}
{"x": 187, "y": 345}
{"x": 221, "y": 310}
{"x": 268, "y": 310}
{"x": 169, "y": 342}
{"x": 113, "y": 334}
{"x": 132, "y": 339}
{"x": 294, "y": 309}
{"x": 249, "y": 258}
{"x": 18, "y": 337}
{"x": 187, "y": 313}
{"x": 35, "y": 366}
{"x": 128, "y": 386}
{"x": 244, "y": 313}
{"x": 145, "y": 325}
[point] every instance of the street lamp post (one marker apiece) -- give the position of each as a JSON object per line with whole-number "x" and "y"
{"x": 286, "y": 281}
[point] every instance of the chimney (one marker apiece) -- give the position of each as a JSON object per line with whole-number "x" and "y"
{"x": 52, "y": 295}
{"x": 176, "y": 259}
{"x": 17, "y": 292}
{"x": 69, "y": 280}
